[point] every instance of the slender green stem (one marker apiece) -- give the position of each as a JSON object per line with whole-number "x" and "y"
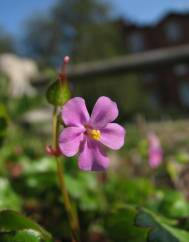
{"x": 69, "y": 209}
{"x": 72, "y": 215}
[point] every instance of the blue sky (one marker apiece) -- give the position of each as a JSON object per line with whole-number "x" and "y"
{"x": 13, "y": 13}
{"x": 148, "y": 11}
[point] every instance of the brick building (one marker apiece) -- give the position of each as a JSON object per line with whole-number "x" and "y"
{"x": 168, "y": 87}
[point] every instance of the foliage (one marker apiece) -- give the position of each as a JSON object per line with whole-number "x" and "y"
{"x": 9, "y": 198}
{"x": 140, "y": 225}
{"x": 28, "y": 184}
{"x": 14, "y": 227}
{"x": 74, "y": 26}
{"x": 6, "y": 42}
{"x": 3, "y": 123}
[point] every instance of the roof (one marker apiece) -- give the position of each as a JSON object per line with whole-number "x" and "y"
{"x": 127, "y": 24}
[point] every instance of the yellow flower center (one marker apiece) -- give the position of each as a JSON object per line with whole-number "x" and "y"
{"x": 94, "y": 134}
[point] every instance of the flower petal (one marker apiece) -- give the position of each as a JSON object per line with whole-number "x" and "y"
{"x": 155, "y": 157}
{"x": 113, "y": 136}
{"x": 70, "y": 139}
{"x": 104, "y": 111}
{"x": 92, "y": 157}
{"x": 74, "y": 112}
{"x": 101, "y": 159}
{"x": 86, "y": 157}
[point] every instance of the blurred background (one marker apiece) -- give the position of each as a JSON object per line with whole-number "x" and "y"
{"x": 137, "y": 53}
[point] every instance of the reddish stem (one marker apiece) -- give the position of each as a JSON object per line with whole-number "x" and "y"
{"x": 62, "y": 76}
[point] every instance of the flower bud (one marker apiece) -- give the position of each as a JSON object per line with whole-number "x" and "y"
{"x": 58, "y": 93}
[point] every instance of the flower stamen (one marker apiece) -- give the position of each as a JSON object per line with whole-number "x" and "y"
{"x": 94, "y": 134}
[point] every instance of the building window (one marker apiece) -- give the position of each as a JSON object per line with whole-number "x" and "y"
{"x": 184, "y": 93}
{"x": 136, "y": 42}
{"x": 173, "y": 31}
{"x": 153, "y": 100}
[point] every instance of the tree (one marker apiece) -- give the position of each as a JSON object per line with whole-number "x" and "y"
{"x": 80, "y": 28}
{"x": 6, "y": 42}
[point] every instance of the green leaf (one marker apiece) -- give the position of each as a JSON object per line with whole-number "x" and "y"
{"x": 174, "y": 204}
{"x": 9, "y": 199}
{"x": 162, "y": 229}
{"x": 129, "y": 224}
{"x": 182, "y": 157}
{"x": 21, "y": 236}
{"x": 120, "y": 226}
{"x": 11, "y": 221}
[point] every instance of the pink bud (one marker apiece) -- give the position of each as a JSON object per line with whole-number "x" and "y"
{"x": 66, "y": 59}
{"x": 52, "y": 152}
{"x": 63, "y": 71}
{"x": 155, "y": 151}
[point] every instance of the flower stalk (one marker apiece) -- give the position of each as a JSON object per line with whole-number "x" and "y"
{"x": 71, "y": 213}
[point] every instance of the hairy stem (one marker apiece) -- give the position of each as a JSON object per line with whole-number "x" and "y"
{"x": 72, "y": 215}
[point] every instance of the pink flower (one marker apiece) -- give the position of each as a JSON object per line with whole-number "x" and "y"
{"x": 155, "y": 151}
{"x": 88, "y": 135}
